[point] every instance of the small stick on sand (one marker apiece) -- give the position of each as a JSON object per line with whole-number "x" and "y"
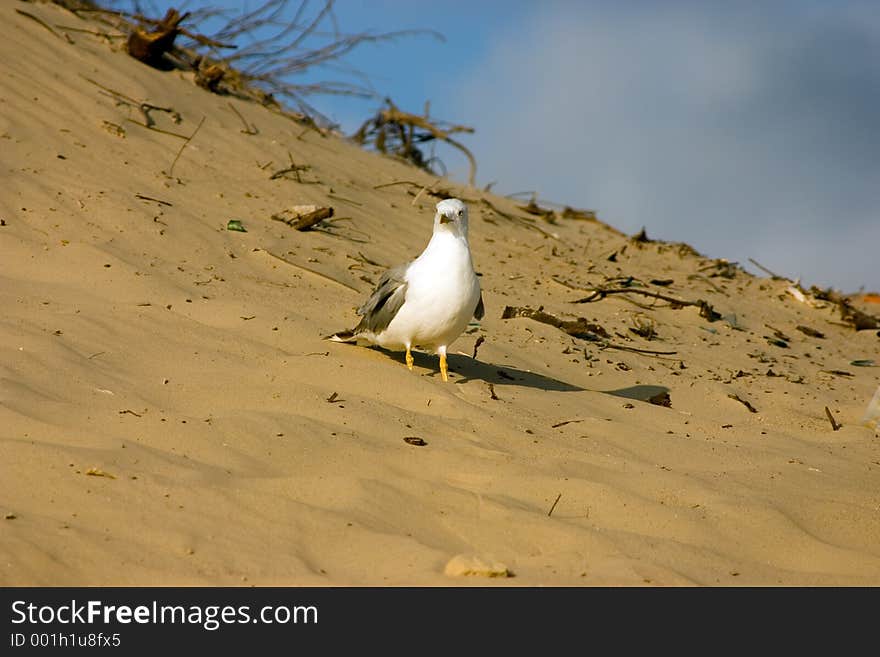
{"x": 480, "y": 340}
{"x": 492, "y": 394}
{"x": 155, "y": 129}
{"x": 397, "y": 182}
{"x": 344, "y": 200}
{"x": 742, "y": 401}
{"x": 293, "y": 168}
{"x": 41, "y": 22}
{"x": 106, "y": 35}
{"x": 155, "y": 200}
{"x": 189, "y": 139}
{"x": 562, "y": 424}
{"x": 550, "y": 512}
{"x": 248, "y": 129}
{"x": 775, "y": 277}
{"x": 834, "y": 425}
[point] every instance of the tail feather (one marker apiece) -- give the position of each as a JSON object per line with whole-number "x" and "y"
{"x": 342, "y": 336}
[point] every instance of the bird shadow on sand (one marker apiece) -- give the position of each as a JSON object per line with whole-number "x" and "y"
{"x": 463, "y": 369}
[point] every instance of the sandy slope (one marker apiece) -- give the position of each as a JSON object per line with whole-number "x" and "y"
{"x": 148, "y": 342}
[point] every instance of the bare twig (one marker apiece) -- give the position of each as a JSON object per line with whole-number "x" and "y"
{"x": 154, "y": 129}
{"x": 189, "y": 139}
{"x": 142, "y": 105}
{"x": 480, "y": 340}
{"x": 293, "y": 168}
{"x": 745, "y": 403}
{"x": 155, "y": 200}
{"x": 579, "y": 328}
{"x": 834, "y": 425}
{"x": 550, "y": 512}
{"x": 646, "y": 352}
{"x": 706, "y": 310}
{"x": 775, "y": 277}
{"x": 40, "y": 21}
{"x": 248, "y": 129}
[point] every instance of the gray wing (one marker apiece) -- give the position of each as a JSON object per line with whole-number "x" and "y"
{"x": 382, "y": 306}
{"x": 481, "y": 309}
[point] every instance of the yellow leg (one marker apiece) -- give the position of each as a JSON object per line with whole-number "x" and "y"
{"x": 443, "y": 368}
{"x": 409, "y": 359}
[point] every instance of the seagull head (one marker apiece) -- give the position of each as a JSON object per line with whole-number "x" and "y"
{"x": 452, "y": 216}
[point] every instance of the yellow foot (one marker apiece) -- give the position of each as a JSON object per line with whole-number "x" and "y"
{"x": 443, "y": 368}
{"x": 409, "y": 359}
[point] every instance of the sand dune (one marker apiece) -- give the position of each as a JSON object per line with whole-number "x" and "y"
{"x": 183, "y": 366}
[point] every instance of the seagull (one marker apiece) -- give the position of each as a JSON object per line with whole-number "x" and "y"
{"x": 429, "y": 301}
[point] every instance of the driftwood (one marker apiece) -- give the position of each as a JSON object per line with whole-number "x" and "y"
{"x": 303, "y": 217}
{"x": 151, "y": 46}
{"x": 579, "y": 328}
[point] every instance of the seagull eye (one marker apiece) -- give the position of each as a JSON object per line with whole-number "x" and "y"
{"x": 460, "y": 213}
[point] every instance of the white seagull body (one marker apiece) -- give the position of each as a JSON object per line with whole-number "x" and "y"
{"x": 428, "y": 302}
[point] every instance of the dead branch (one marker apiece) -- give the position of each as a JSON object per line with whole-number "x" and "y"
{"x": 579, "y": 328}
{"x": 277, "y": 48}
{"x": 775, "y": 277}
{"x": 706, "y": 310}
{"x": 271, "y": 49}
{"x": 394, "y": 131}
{"x": 431, "y": 190}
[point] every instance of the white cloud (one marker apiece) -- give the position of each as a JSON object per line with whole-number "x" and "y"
{"x": 741, "y": 131}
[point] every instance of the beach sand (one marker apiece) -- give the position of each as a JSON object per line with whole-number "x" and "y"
{"x": 165, "y": 392}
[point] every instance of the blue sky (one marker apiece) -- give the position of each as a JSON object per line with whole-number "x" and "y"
{"x": 747, "y": 129}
